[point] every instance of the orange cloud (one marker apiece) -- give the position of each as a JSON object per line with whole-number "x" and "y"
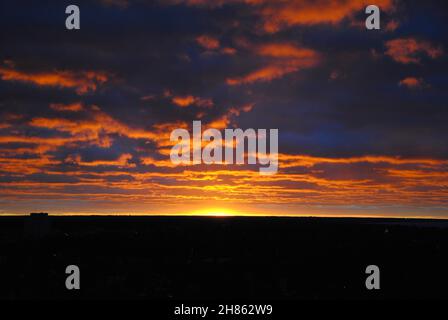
{"x": 284, "y": 58}
{"x": 185, "y": 101}
{"x": 412, "y": 83}
{"x": 208, "y": 42}
{"x": 290, "y": 160}
{"x": 409, "y": 50}
{"x": 392, "y": 25}
{"x": 393, "y": 181}
{"x": 229, "y": 51}
{"x": 382, "y": 181}
{"x": 281, "y": 14}
{"x": 286, "y": 50}
{"x": 121, "y": 161}
{"x": 264, "y": 74}
{"x": 225, "y": 120}
{"x": 83, "y": 81}
{"x": 94, "y": 130}
{"x": 73, "y": 107}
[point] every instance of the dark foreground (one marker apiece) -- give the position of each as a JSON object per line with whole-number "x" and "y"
{"x": 222, "y": 258}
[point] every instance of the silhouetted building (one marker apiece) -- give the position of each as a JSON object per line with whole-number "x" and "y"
{"x": 37, "y": 225}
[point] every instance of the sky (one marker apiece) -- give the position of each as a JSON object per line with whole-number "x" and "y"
{"x": 86, "y": 115}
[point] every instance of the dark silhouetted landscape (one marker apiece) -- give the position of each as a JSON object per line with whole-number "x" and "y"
{"x": 221, "y": 258}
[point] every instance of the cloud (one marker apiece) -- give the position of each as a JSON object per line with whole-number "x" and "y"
{"x": 283, "y": 58}
{"x": 412, "y": 83}
{"x": 208, "y": 42}
{"x": 392, "y": 25}
{"x": 73, "y": 107}
{"x": 213, "y": 45}
{"x": 122, "y": 161}
{"x": 225, "y": 120}
{"x": 185, "y": 101}
{"x": 81, "y": 81}
{"x": 281, "y": 14}
{"x": 338, "y": 138}
{"x": 302, "y": 180}
{"x": 410, "y": 50}
{"x": 228, "y": 50}
{"x": 278, "y": 15}
{"x": 95, "y": 128}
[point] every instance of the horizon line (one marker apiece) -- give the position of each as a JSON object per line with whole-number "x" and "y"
{"x": 248, "y": 215}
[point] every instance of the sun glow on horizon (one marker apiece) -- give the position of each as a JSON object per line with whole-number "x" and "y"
{"x": 215, "y": 212}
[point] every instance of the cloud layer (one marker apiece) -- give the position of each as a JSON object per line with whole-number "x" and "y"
{"x": 86, "y": 116}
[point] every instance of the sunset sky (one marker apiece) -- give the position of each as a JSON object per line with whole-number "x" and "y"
{"x": 86, "y": 115}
